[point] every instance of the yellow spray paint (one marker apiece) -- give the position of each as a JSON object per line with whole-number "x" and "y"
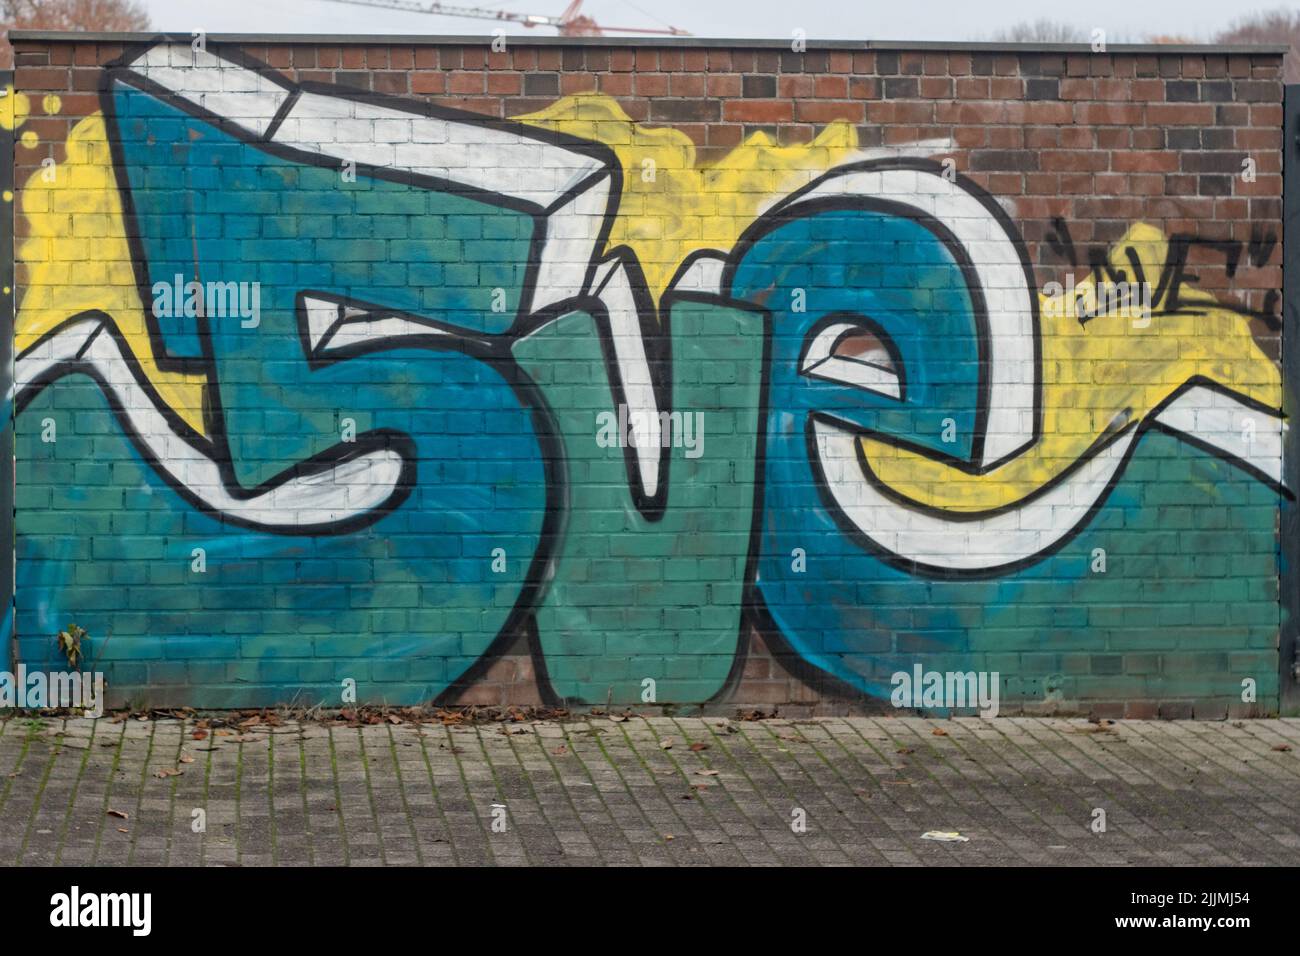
{"x": 75, "y": 258}
{"x": 1108, "y": 372}
{"x": 671, "y": 206}
{"x": 14, "y": 108}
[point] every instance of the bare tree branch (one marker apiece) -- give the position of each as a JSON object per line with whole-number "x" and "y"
{"x": 1043, "y": 31}
{"x": 1275, "y": 26}
{"x": 80, "y": 15}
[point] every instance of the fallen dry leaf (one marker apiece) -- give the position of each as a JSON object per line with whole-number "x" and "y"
{"x": 697, "y": 747}
{"x": 560, "y": 751}
{"x": 1106, "y": 726}
{"x": 186, "y": 758}
{"x": 120, "y": 814}
{"x": 1285, "y": 748}
{"x": 939, "y": 732}
{"x": 199, "y": 734}
{"x": 666, "y": 743}
{"x": 707, "y": 773}
{"x": 168, "y": 772}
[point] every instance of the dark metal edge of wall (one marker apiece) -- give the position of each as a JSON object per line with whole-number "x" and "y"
{"x": 814, "y": 44}
{"x": 9, "y": 654}
{"x": 1289, "y": 512}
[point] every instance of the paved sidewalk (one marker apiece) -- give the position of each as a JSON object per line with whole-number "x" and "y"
{"x": 597, "y": 790}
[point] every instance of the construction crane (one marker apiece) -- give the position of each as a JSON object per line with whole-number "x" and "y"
{"x": 570, "y": 23}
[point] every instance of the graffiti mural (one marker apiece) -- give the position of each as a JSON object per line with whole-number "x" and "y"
{"x": 316, "y": 386}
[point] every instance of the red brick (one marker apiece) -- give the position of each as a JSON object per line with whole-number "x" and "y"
{"x": 651, "y": 84}
{"x": 864, "y": 88}
{"x": 814, "y": 111}
{"x": 720, "y": 61}
{"x": 1180, "y": 114}
{"x": 616, "y": 84}
{"x": 831, "y": 87}
{"x": 1141, "y": 162}
{"x": 841, "y": 61}
{"x": 687, "y": 84}
{"x": 1114, "y": 90}
{"x": 794, "y": 85}
{"x": 935, "y": 87}
{"x": 723, "y": 85}
{"x": 570, "y": 83}
{"x": 428, "y": 83}
{"x": 27, "y": 78}
{"x": 757, "y": 111}
{"x": 972, "y": 88}
{"x": 502, "y": 83}
{"x": 459, "y": 82}
{"x": 1109, "y": 114}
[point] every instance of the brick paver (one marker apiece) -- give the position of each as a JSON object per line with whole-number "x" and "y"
{"x": 650, "y": 791}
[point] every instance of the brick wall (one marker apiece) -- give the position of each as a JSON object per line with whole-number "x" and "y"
{"x": 729, "y": 377}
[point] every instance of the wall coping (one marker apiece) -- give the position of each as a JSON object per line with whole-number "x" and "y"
{"x": 814, "y": 45}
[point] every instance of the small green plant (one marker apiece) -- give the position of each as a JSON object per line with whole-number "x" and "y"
{"x": 70, "y": 644}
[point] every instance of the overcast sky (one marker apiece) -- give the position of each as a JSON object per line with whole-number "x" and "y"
{"x": 829, "y": 19}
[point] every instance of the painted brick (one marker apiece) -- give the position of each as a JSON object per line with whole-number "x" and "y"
{"x": 433, "y": 463}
